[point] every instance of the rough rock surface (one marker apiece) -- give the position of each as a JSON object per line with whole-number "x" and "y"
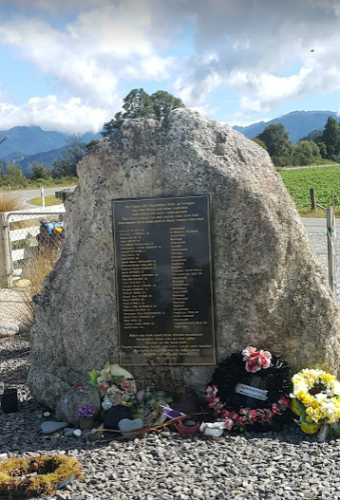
{"x": 75, "y": 398}
{"x": 270, "y": 290}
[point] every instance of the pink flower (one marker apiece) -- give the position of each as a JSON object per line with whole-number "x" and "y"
{"x": 224, "y": 413}
{"x": 253, "y": 364}
{"x": 140, "y": 396}
{"x": 233, "y": 415}
{"x": 267, "y": 417}
{"x": 229, "y": 423}
{"x": 265, "y": 358}
{"x": 213, "y": 402}
{"x": 249, "y": 352}
{"x": 241, "y": 421}
{"x": 276, "y": 409}
{"x": 127, "y": 385}
{"x": 253, "y": 417}
{"x": 102, "y": 389}
{"x": 283, "y": 401}
{"x": 259, "y": 412}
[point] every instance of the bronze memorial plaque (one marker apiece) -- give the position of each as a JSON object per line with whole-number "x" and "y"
{"x": 164, "y": 280}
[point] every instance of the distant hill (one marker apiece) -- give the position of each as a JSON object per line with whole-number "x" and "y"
{"x": 24, "y": 142}
{"x": 46, "y": 158}
{"x": 298, "y": 123}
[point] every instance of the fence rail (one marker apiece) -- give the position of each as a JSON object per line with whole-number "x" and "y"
{"x": 18, "y": 240}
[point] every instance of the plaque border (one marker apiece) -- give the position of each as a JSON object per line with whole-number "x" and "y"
{"x": 212, "y": 301}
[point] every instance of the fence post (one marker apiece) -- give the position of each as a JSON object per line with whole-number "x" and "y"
{"x": 312, "y": 199}
{"x": 331, "y": 240}
{"x": 5, "y": 257}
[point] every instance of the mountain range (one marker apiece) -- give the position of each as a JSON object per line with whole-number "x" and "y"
{"x": 297, "y": 123}
{"x": 27, "y": 145}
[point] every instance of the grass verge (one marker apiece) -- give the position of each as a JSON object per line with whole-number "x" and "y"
{"x": 50, "y": 200}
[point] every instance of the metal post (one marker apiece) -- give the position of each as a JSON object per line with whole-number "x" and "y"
{"x": 312, "y": 199}
{"x": 331, "y": 240}
{"x": 5, "y": 257}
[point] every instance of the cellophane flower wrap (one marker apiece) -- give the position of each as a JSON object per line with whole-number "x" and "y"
{"x": 116, "y": 386}
{"x": 319, "y": 393}
{"x": 151, "y": 404}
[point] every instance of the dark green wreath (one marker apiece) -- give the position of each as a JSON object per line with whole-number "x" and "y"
{"x": 276, "y": 380}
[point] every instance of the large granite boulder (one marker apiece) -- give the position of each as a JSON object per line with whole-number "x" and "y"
{"x": 270, "y": 290}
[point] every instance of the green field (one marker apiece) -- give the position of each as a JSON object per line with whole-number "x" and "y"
{"x": 324, "y": 180}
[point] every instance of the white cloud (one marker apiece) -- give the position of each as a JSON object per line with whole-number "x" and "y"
{"x": 51, "y": 113}
{"x": 268, "y": 52}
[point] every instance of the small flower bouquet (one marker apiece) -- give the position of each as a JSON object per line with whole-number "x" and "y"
{"x": 151, "y": 404}
{"x": 316, "y": 400}
{"x": 115, "y": 384}
{"x": 86, "y": 412}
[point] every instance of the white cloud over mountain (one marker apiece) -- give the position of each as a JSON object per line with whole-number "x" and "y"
{"x": 267, "y": 53}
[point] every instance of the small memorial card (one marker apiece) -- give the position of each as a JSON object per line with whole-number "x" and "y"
{"x": 2, "y": 388}
{"x": 253, "y": 392}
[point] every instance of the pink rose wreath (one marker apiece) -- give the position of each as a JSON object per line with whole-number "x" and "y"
{"x": 230, "y": 393}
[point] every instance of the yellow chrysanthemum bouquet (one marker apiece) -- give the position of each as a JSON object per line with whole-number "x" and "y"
{"x": 316, "y": 399}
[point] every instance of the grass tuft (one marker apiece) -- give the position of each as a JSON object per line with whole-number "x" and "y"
{"x": 10, "y": 202}
{"x": 36, "y": 270}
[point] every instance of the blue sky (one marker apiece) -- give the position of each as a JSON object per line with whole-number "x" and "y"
{"x": 68, "y": 66}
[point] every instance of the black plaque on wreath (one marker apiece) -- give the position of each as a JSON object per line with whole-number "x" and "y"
{"x": 164, "y": 280}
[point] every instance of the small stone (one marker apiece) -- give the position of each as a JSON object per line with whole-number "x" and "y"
{"x": 46, "y": 414}
{"x": 126, "y": 426}
{"x": 3, "y": 456}
{"x": 77, "y": 432}
{"x": 68, "y": 432}
{"x": 8, "y": 329}
{"x": 51, "y": 427}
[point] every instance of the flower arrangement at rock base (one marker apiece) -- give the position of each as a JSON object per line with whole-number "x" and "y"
{"x": 250, "y": 388}
{"x": 86, "y": 415}
{"x": 151, "y": 404}
{"x": 115, "y": 384}
{"x": 316, "y": 400}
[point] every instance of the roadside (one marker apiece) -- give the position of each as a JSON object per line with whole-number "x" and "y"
{"x": 310, "y": 166}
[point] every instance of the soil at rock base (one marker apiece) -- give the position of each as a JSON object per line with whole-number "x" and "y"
{"x": 272, "y": 466}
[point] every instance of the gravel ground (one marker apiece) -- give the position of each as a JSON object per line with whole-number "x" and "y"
{"x": 163, "y": 466}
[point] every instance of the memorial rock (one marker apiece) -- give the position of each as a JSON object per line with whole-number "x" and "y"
{"x": 269, "y": 289}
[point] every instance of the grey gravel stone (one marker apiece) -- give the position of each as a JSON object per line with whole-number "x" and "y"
{"x": 50, "y": 427}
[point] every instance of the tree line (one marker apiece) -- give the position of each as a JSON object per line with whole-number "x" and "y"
{"x": 137, "y": 104}
{"x": 315, "y": 148}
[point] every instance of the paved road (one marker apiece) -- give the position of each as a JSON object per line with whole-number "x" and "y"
{"x": 317, "y": 232}
{"x": 26, "y": 195}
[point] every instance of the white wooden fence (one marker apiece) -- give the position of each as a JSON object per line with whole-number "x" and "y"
{"x": 18, "y": 245}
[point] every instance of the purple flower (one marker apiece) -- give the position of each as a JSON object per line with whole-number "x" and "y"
{"x": 86, "y": 411}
